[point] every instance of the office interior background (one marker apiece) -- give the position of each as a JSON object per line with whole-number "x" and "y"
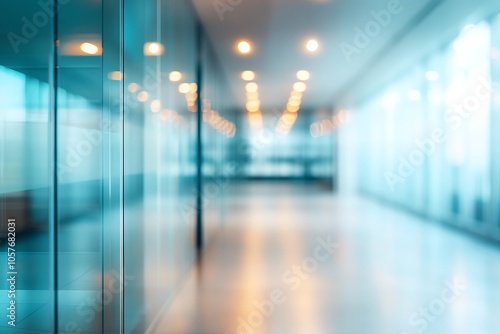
{"x": 130, "y": 129}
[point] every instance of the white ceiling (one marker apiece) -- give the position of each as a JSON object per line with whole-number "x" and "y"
{"x": 279, "y": 28}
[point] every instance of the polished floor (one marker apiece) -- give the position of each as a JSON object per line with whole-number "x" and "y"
{"x": 296, "y": 259}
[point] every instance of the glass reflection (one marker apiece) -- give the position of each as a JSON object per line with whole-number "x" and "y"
{"x": 25, "y": 181}
{"x": 427, "y": 137}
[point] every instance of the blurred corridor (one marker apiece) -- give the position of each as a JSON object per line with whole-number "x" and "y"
{"x": 249, "y": 166}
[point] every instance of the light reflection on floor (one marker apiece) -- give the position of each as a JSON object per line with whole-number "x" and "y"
{"x": 390, "y": 274}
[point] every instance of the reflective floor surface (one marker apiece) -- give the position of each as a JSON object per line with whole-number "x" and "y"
{"x": 296, "y": 259}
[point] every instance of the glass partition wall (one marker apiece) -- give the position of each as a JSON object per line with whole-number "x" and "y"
{"x": 426, "y": 142}
{"x": 99, "y": 124}
{"x": 27, "y": 236}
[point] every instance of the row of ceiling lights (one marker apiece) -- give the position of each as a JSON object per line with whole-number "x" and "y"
{"x": 289, "y": 116}
{"x": 218, "y": 122}
{"x": 293, "y": 105}
{"x": 174, "y": 76}
{"x": 328, "y": 126}
{"x": 189, "y": 89}
{"x": 93, "y": 48}
{"x": 252, "y": 100}
{"x": 245, "y": 47}
{"x": 295, "y": 99}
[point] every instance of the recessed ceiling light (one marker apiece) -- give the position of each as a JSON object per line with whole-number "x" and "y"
{"x": 184, "y": 88}
{"x": 303, "y": 75}
{"x": 193, "y": 87}
{"x": 133, "y": 87}
{"x": 248, "y": 75}
{"x": 312, "y": 45}
{"x": 244, "y": 47}
{"x": 292, "y": 108}
{"x": 155, "y": 106}
{"x": 89, "y": 48}
{"x": 153, "y": 49}
{"x": 175, "y": 76}
{"x": 253, "y": 106}
{"x": 115, "y": 75}
{"x": 252, "y": 87}
{"x": 143, "y": 96}
{"x": 299, "y": 87}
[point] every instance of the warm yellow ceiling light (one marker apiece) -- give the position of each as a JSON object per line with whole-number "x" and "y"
{"x": 184, "y": 88}
{"x": 133, "y": 87}
{"x": 303, "y": 75}
{"x": 248, "y": 75}
{"x": 296, "y": 94}
{"x": 193, "y": 87}
{"x": 293, "y": 102}
{"x": 292, "y": 108}
{"x": 253, "y": 106}
{"x": 312, "y": 45}
{"x": 252, "y": 87}
{"x": 289, "y": 119}
{"x": 89, "y": 48}
{"x": 142, "y": 96}
{"x": 115, "y": 75}
{"x": 153, "y": 49}
{"x": 175, "y": 76}
{"x": 299, "y": 87}
{"x": 191, "y": 97}
{"x": 244, "y": 47}
{"x": 155, "y": 106}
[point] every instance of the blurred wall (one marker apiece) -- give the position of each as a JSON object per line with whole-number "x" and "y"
{"x": 427, "y": 141}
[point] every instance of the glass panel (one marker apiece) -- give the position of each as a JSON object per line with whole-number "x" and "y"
{"x": 25, "y": 158}
{"x": 160, "y": 153}
{"x": 218, "y": 132}
{"x": 468, "y": 96}
{"x": 114, "y": 127}
{"x": 426, "y": 136}
{"x": 80, "y": 161}
{"x": 111, "y": 127}
{"x": 495, "y": 124}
